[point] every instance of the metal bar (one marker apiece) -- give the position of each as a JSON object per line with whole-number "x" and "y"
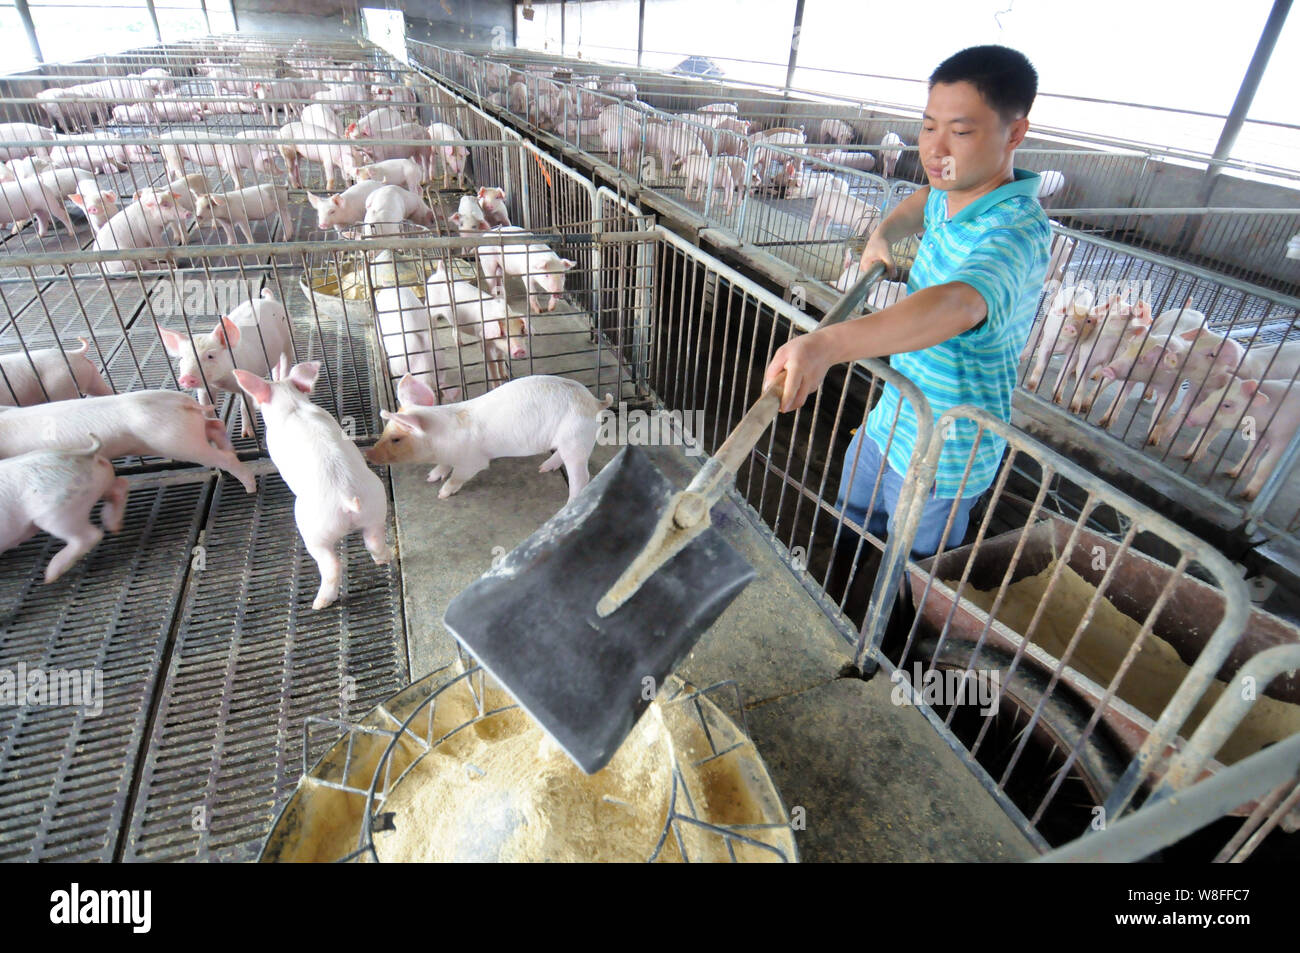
{"x": 207, "y": 21}
{"x": 640, "y": 32}
{"x": 153, "y": 15}
{"x": 1245, "y": 95}
{"x": 1157, "y": 826}
{"x": 563, "y": 7}
{"x": 25, "y": 14}
{"x": 1225, "y": 716}
{"x": 794, "y": 44}
{"x": 234, "y": 15}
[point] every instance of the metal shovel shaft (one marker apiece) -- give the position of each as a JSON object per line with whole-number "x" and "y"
{"x": 687, "y": 513}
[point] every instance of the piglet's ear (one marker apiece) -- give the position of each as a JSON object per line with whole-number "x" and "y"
{"x": 568, "y": 264}
{"x": 226, "y": 332}
{"x": 172, "y": 341}
{"x": 408, "y": 422}
{"x": 413, "y": 393}
{"x": 303, "y": 376}
{"x": 253, "y": 386}
{"x": 1249, "y": 388}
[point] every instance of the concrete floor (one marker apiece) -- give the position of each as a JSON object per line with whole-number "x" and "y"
{"x": 875, "y": 781}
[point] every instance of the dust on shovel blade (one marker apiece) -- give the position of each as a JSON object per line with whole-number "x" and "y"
{"x": 531, "y": 621}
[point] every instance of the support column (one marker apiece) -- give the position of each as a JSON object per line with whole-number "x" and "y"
{"x": 794, "y": 44}
{"x": 25, "y": 14}
{"x": 153, "y": 15}
{"x": 1245, "y": 95}
{"x": 640, "y": 33}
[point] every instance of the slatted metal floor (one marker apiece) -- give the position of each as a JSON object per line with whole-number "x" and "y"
{"x": 198, "y": 614}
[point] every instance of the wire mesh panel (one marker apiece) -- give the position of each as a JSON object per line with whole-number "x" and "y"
{"x": 1190, "y": 370}
{"x": 714, "y": 334}
{"x": 1084, "y": 631}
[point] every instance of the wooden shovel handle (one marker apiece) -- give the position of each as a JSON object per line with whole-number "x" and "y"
{"x": 708, "y": 484}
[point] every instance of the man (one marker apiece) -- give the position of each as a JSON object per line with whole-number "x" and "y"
{"x": 973, "y": 293}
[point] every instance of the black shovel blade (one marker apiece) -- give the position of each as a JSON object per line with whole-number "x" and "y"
{"x": 531, "y": 620}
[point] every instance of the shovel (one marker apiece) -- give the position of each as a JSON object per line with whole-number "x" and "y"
{"x": 584, "y": 620}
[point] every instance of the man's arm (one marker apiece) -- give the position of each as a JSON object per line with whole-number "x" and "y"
{"x": 928, "y": 317}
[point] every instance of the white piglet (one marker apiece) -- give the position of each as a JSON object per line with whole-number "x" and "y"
{"x": 404, "y": 172}
{"x": 541, "y": 269}
{"x": 50, "y": 374}
{"x": 160, "y": 423}
{"x": 388, "y": 206}
{"x": 99, "y": 204}
{"x": 55, "y": 491}
{"x": 253, "y": 337}
{"x": 335, "y": 492}
{"x": 406, "y": 328}
{"x": 531, "y": 415}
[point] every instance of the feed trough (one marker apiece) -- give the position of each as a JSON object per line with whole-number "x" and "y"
{"x": 451, "y": 769}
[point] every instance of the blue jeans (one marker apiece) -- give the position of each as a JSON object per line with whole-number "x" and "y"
{"x": 858, "y": 480}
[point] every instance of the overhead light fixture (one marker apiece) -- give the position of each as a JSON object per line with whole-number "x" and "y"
{"x": 528, "y": 11}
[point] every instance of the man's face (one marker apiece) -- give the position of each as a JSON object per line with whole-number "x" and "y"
{"x": 963, "y": 142}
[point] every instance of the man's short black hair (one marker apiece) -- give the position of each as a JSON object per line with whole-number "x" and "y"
{"x": 1004, "y": 77}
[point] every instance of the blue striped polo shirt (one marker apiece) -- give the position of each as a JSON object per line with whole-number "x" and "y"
{"x": 999, "y": 246}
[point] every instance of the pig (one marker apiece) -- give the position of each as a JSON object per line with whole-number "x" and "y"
{"x": 40, "y": 198}
{"x": 504, "y": 332}
{"x": 389, "y": 205}
{"x": 674, "y": 142}
{"x": 175, "y": 109}
{"x": 620, "y": 132}
{"x": 1060, "y": 333}
{"x": 139, "y": 225}
{"x": 231, "y": 210}
{"x": 517, "y": 98}
{"x": 404, "y": 172}
{"x": 835, "y": 130}
{"x": 406, "y": 328}
{"x": 703, "y": 173}
{"x": 492, "y": 201}
{"x": 573, "y": 129}
{"x": 882, "y": 294}
{"x": 452, "y": 153}
{"x": 28, "y": 168}
{"x": 1150, "y": 359}
{"x": 380, "y": 147}
{"x": 834, "y": 205}
{"x": 24, "y": 132}
{"x": 343, "y": 93}
{"x": 231, "y": 159}
{"x": 185, "y": 192}
{"x": 346, "y": 208}
{"x": 862, "y": 161}
{"x": 736, "y": 166}
{"x": 541, "y": 268}
{"x": 49, "y": 374}
{"x": 377, "y": 122}
{"x": 813, "y": 184}
{"x": 274, "y": 96}
{"x": 720, "y": 108}
{"x": 138, "y": 114}
{"x": 162, "y": 423}
{"x": 323, "y": 117}
{"x": 55, "y": 491}
{"x": 532, "y": 415}
{"x": 335, "y": 493}
{"x": 1099, "y": 340}
{"x": 469, "y": 216}
{"x": 264, "y": 151}
{"x": 252, "y": 337}
{"x": 329, "y": 155}
{"x": 889, "y": 156}
{"x": 1274, "y": 417}
{"x": 1061, "y": 254}
{"x": 232, "y": 104}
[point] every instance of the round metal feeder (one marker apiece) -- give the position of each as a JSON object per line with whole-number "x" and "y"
{"x": 710, "y": 795}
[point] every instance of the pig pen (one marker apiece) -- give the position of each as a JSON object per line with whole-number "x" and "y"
{"x": 198, "y": 615}
{"x": 1227, "y": 259}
